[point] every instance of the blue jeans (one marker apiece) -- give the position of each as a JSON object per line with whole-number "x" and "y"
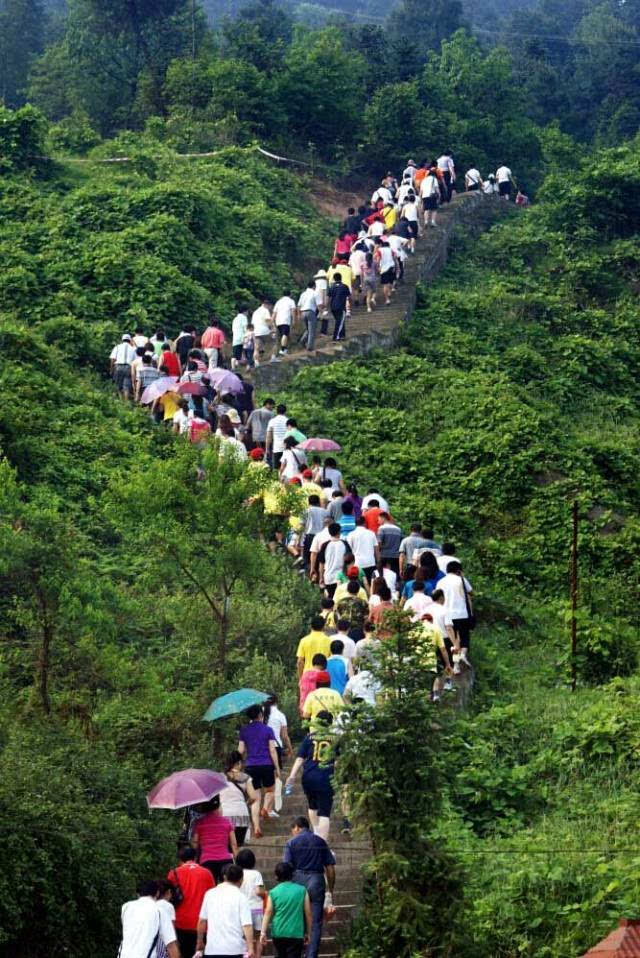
{"x": 314, "y": 883}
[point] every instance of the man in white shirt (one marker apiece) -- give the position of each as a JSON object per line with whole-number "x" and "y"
{"x": 284, "y": 314}
{"x": 382, "y": 193}
{"x": 308, "y": 309}
{"x": 472, "y": 179}
{"x": 364, "y": 545}
{"x": 419, "y": 603}
{"x": 262, "y": 328}
{"x": 225, "y": 919}
{"x": 144, "y": 924}
{"x": 349, "y": 649}
{"x": 276, "y": 433}
{"x": 362, "y": 686}
{"x": 445, "y": 164}
{"x": 448, "y": 555}
{"x": 505, "y": 179}
{"x": 319, "y": 539}
{"x": 409, "y": 172}
{"x": 121, "y": 358}
{"x": 238, "y": 329}
{"x": 458, "y": 606}
{"x": 331, "y": 557}
{"x": 430, "y": 193}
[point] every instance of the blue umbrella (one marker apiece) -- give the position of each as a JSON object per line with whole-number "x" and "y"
{"x": 232, "y": 703}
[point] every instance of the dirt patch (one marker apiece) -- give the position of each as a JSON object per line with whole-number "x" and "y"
{"x": 333, "y": 201}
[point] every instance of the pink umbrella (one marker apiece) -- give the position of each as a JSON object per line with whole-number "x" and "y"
{"x": 319, "y": 445}
{"x": 158, "y": 388}
{"x": 189, "y": 787}
{"x": 192, "y": 389}
{"x": 225, "y": 382}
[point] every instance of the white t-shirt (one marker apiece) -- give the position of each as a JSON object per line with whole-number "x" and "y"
{"x": 232, "y": 802}
{"x": 142, "y": 920}
{"x": 443, "y": 561}
{"x": 251, "y": 880}
{"x": 233, "y": 447}
{"x": 490, "y": 187}
{"x": 238, "y": 329}
{"x": 226, "y": 911}
{"x": 260, "y": 321}
{"x": 307, "y": 301}
{"x": 473, "y": 176}
{"x": 140, "y": 340}
{"x": 319, "y": 539}
{"x": 377, "y": 228}
{"x": 382, "y": 193}
{"x": 418, "y": 604}
{"x": 277, "y": 721}
{"x": 454, "y": 601}
{"x": 283, "y": 311}
{"x": 445, "y": 163}
{"x": 429, "y": 186}
{"x": 403, "y": 192}
{"x": 363, "y": 686}
{"x": 278, "y": 429}
{"x": 386, "y": 260}
{"x": 349, "y": 645}
{"x": 410, "y": 212}
{"x": 333, "y": 560}
{"x": 334, "y": 475}
{"x": 181, "y": 419}
{"x": 123, "y": 354}
{"x": 363, "y": 543}
{"x": 382, "y": 502}
{"x": 293, "y": 461}
{"x": 398, "y": 243}
{"x": 503, "y": 174}
{"x": 439, "y": 614}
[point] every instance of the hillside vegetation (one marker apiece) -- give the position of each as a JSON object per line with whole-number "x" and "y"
{"x": 516, "y": 392}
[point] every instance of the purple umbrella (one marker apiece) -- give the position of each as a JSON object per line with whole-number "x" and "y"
{"x": 158, "y": 388}
{"x": 189, "y": 787}
{"x": 192, "y": 389}
{"x": 225, "y": 382}
{"x": 319, "y": 445}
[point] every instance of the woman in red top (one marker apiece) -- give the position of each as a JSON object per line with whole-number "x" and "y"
{"x": 342, "y": 249}
{"x": 215, "y": 837}
{"x": 171, "y": 361}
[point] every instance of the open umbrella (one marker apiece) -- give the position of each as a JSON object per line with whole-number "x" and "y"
{"x": 225, "y": 382}
{"x": 320, "y": 445}
{"x": 192, "y": 389}
{"x": 189, "y": 787}
{"x": 232, "y": 703}
{"x": 158, "y": 388}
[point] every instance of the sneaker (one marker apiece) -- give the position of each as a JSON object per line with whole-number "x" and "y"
{"x": 463, "y": 656}
{"x": 435, "y": 697}
{"x": 448, "y": 685}
{"x": 273, "y": 814}
{"x": 346, "y": 826}
{"x": 283, "y": 352}
{"x": 369, "y": 310}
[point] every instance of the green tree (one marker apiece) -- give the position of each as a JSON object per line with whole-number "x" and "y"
{"x": 417, "y": 27}
{"x": 21, "y": 39}
{"x": 260, "y": 35}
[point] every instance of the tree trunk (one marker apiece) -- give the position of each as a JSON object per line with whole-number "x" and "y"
{"x": 43, "y": 666}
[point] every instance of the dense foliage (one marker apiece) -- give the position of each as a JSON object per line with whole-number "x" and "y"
{"x": 516, "y": 392}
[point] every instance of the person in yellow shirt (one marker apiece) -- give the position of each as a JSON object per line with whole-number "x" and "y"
{"x": 390, "y": 216}
{"x": 322, "y": 699}
{"x": 432, "y": 649}
{"x": 316, "y": 641}
{"x": 346, "y": 274}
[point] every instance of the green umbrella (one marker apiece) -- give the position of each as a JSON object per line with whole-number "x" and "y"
{"x": 232, "y": 703}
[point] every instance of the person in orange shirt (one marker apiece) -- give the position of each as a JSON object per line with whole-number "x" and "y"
{"x": 212, "y": 341}
{"x": 372, "y": 516}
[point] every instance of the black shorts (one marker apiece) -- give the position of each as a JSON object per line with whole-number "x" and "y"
{"x": 505, "y": 188}
{"x": 236, "y": 352}
{"x": 320, "y": 800}
{"x": 284, "y": 329}
{"x": 262, "y": 776}
{"x": 473, "y": 186}
{"x": 388, "y": 277}
{"x": 413, "y": 228}
{"x": 430, "y": 202}
{"x": 461, "y": 629}
{"x": 440, "y": 666}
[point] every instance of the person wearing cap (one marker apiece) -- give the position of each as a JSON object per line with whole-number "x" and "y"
{"x": 323, "y": 698}
{"x": 322, "y": 291}
{"x": 311, "y": 488}
{"x": 308, "y": 309}
{"x": 353, "y": 574}
{"x": 410, "y": 171}
{"x": 121, "y": 358}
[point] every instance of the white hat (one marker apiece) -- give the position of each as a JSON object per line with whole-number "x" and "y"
{"x": 126, "y": 338}
{"x": 321, "y": 274}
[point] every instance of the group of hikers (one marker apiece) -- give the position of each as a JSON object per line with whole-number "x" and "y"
{"x": 367, "y": 568}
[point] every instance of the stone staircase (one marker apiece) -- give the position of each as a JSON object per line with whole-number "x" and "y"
{"x": 382, "y": 328}
{"x": 350, "y": 855}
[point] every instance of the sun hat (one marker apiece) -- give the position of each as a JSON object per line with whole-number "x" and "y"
{"x": 256, "y": 454}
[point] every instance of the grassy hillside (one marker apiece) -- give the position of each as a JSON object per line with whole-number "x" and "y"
{"x": 516, "y": 392}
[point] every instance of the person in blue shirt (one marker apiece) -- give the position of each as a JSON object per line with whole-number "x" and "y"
{"x": 347, "y": 520}
{"x": 338, "y": 666}
{"x": 313, "y": 863}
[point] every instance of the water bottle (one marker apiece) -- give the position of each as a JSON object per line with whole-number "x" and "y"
{"x": 288, "y": 789}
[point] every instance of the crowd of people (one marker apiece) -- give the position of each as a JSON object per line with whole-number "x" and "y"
{"x": 366, "y": 566}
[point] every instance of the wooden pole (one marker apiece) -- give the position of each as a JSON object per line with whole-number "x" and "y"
{"x": 574, "y": 597}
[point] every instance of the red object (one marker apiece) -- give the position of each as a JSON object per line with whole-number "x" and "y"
{"x": 194, "y": 881}
{"x": 199, "y": 429}
{"x": 172, "y": 362}
{"x": 213, "y": 832}
{"x": 256, "y": 454}
{"x": 212, "y": 338}
{"x": 307, "y": 474}
{"x": 372, "y": 518}
{"x": 353, "y": 572}
{"x": 192, "y": 389}
{"x": 624, "y": 942}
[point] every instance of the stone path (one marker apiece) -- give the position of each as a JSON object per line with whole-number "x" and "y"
{"x": 380, "y": 329}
